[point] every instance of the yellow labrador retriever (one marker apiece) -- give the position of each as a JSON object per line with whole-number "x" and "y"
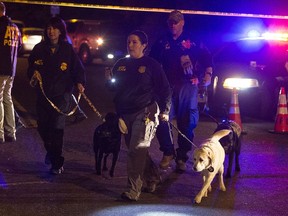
{"x": 208, "y": 159}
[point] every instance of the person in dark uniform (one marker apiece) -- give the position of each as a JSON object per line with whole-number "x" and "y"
{"x": 138, "y": 81}
{"x": 58, "y": 66}
{"x": 10, "y": 42}
{"x": 186, "y": 65}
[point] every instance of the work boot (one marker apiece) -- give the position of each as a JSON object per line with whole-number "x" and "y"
{"x": 180, "y": 166}
{"x": 165, "y": 162}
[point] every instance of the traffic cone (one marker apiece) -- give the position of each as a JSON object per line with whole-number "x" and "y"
{"x": 281, "y": 121}
{"x": 234, "y": 111}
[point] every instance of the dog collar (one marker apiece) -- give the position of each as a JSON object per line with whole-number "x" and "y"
{"x": 211, "y": 169}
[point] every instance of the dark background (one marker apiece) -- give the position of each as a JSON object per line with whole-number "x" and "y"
{"x": 212, "y": 30}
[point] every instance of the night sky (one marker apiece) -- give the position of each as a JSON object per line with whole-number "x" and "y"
{"x": 212, "y": 28}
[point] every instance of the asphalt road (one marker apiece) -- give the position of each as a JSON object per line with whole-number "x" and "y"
{"x": 26, "y": 188}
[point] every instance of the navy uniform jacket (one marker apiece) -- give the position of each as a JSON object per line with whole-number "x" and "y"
{"x": 10, "y": 42}
{"x": 60, "y": 71}
{"x": 139, "y": 83}
{"x": 168, "y": 52}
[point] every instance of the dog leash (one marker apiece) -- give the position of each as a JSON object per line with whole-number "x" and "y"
{"x": 183, "y": 135}
{"x": 91, "y": 105}
{"x": 37, "y": 78}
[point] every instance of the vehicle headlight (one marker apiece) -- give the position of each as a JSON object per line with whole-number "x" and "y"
{"x": 100, "y": 41}
{"x": 240, "y": 83}
{"x": 110, "y": 56}
{"x": 24, "y": 39}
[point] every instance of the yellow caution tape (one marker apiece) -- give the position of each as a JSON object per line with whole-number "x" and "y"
{"x": 158, "y": 10}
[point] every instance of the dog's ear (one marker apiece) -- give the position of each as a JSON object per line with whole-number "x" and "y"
{"x": 210, "y": 157}
{"x": 210, "y": 160}
{"x": 195, "y": 154}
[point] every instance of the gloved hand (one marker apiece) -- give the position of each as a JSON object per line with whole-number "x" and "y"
{"x": 187, "y": 65}
{"x": 35, "y": 79}
{"x": 207, "y": 78}
{"x": 163, "y": 117}
{"x": 80, "y": 87}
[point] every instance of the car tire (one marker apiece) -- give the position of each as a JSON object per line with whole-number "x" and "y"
{"x": 85, "y": 55}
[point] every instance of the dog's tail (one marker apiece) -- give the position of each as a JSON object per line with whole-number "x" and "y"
{"x": 220, "y": 134}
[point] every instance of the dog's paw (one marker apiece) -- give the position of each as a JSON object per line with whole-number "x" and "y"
{"x": 222, "y": 188}
{"x": 198, "y": 199}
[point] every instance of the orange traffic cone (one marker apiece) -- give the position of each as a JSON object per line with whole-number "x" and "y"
{"x": 281, "y": 121}
{"x": 234, "y": 111}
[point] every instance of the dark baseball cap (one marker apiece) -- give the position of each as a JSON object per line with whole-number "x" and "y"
{"x": 175, "y": 16}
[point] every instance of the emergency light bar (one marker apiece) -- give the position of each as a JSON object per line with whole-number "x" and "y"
{"x": 275, "y": 36}
{"x": 278, "y": 36}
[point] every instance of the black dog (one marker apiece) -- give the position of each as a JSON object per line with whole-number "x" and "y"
{"x": 107, "y": 140}
{"x": 231, "y": 144}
